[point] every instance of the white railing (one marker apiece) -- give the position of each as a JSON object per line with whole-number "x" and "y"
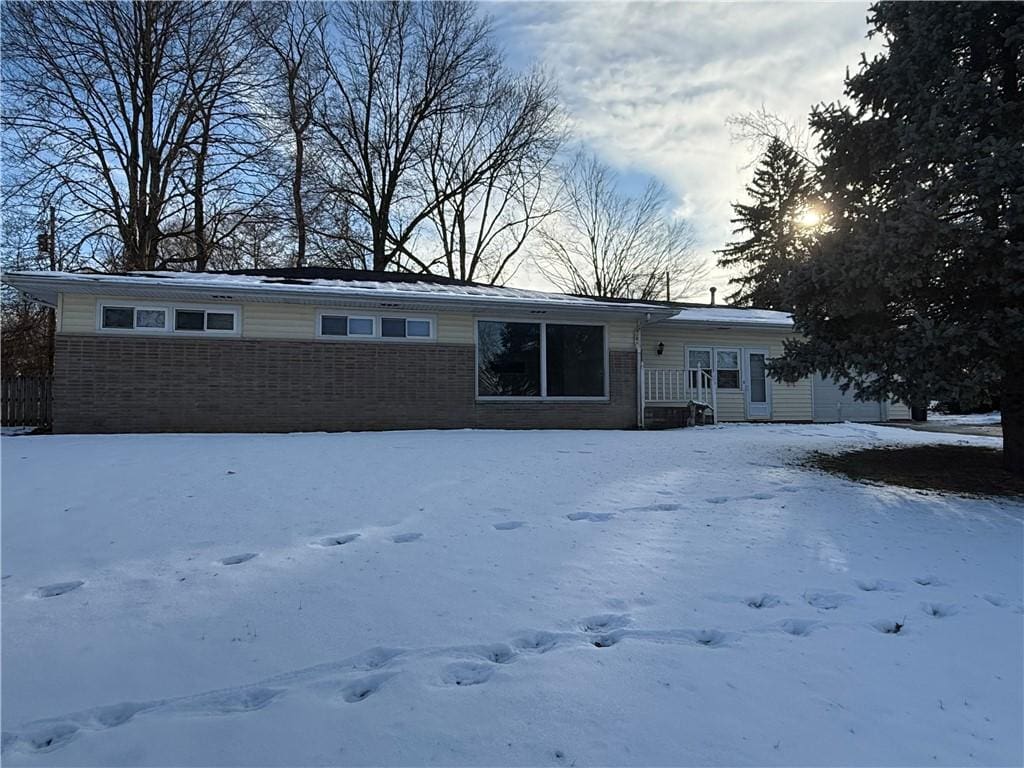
{"x": 679, "y": 385}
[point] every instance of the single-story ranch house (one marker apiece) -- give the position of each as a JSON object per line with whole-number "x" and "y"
{"x": 328, "y": 349}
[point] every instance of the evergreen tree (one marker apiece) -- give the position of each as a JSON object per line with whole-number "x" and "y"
{"x": 778, "y": 226}
{"x": 917, "y": 288}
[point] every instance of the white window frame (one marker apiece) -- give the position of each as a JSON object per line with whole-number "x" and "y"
{"x": 102, "y": 305}
{"x": 321, "y": 313}
{"x": 738, "y": 368}
{"x": 206, "y": 308}
{"x": 714, "y": 364}
{"x": 169, "y": 318}
{"x": 543, "y": 397}
{"x": 376, "y": 317}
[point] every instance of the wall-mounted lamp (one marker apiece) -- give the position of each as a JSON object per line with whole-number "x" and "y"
{"x": 661, "y": 347}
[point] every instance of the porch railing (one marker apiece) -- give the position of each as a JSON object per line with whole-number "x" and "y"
{"x": 680, "y": 385}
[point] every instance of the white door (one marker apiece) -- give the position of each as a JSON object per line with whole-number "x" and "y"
{"x": 756, "y": 385}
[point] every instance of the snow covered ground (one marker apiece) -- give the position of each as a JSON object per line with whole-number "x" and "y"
{"x": 501, "y": 598}
{"x": 994, "y": 417}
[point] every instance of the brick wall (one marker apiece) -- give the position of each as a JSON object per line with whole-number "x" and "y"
{"x": 139, "y": 384}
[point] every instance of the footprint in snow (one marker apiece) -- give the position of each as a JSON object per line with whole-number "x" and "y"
{"x": 765, "y": 600}
{"x": 509, "y": 525}
{"x": 237, "y": 559}
{"x": 761, "y": 496}
{"x": 888, "y": 626}
{"x": 496, "y": 653}
{"x": 928, "y": 581}
{"x": 594, "y": 517}
{"x": 55, "y": 590}
{"x": 660, "y": 507}
{"x": 405, "y": 538}
{"x": 717, "y": 499}
{"x": 336, "y": 541}
{"x": 230, "y": 701}
{"x": 826, "y": 601}
{"x": 799, "y": 627}
{"x": 605, "y": 621}
{"x": 877, "y": 585}
{"x": 537, "y": 642}
{"x": 46, "y": 739}
{"x": 939, "y": 610}
{"x": 465, "y": 673}
{"x": 360, "y": 690}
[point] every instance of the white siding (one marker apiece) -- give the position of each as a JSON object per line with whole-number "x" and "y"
{"x": 265, "y": 320}
{"x": 790, "y": 402}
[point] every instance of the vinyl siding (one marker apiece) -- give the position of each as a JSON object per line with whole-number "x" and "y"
{"x": 898, "y": 411}
{"x": 267, "y": 320}
{"x": 790, "y": 402}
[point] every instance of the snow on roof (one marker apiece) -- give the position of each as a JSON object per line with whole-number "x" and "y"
{"x": 353, "y": 286}
{"x": 735, "y": 316}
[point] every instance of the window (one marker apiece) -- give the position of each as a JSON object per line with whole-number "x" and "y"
{"x": 698, "y": 358}
{"x": 392, "y": 327}
{"x": 402, "y": 328}
{"x": 727, "y": 368}
{"x": 722, "y": 364}
{"x": 151, "y": 318}
{"x": 517, "y": 359}
{"x": 118, "y": 317}
{"x": 342, "y": 325}
{"x": 508, "y": 359}
{"x": 575, "y": 360}
{"x": 133, "y": 318}
{"x": 205, "y": 320}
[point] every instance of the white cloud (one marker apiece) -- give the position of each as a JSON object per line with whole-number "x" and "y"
{"x": 649, "y": 86}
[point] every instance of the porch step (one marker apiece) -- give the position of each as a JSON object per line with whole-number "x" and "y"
{"x": 677, "y": 416}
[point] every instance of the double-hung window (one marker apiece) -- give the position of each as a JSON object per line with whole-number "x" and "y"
{"x": 549, "y": 360}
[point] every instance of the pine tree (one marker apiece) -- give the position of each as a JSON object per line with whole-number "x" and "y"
{"x": 778, "y": 230}
{"x": 917, "y": 288}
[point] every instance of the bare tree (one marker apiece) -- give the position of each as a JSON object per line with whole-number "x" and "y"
{"x": 488, "y": 171}
{"x": 289, "y": 34}
{"x": 758, "y": 128}
{"x": 606, "y": 242}
{"x": 395, "y": 70}
{"x": 134, "y": 110}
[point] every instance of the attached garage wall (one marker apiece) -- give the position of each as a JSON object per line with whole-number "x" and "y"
{"x": 832, "y": 404}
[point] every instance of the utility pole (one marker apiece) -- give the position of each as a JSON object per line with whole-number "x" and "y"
{"x": 668, "y": 286}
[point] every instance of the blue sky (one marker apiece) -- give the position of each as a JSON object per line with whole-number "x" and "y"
{"x": 648, "y": 86}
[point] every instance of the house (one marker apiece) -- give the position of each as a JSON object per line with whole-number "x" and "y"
{"x": 325, "y": 349}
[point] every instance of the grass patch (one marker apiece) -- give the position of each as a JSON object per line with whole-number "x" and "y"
{"x": 964, "y": 469}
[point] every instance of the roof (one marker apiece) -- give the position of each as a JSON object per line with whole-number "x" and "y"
{"x": 366, "y": 288}
{"x": 316, "y": 285}
{"x": 765, "y": 318}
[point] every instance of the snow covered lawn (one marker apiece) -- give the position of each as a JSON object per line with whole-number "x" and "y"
{"x": 501, "y": 598}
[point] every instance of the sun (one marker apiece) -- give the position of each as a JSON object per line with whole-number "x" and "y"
{"x": 809, "y": 218}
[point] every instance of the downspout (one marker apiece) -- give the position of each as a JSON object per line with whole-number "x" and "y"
{"x": 638, "y": 342}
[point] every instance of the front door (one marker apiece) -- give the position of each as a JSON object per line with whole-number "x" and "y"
{"x": 755, "y": 383}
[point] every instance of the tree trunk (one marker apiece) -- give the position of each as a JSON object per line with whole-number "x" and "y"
{"x": 1012, "y": 404}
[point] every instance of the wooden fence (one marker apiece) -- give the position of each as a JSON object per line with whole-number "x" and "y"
{"x": 26, "y": 401}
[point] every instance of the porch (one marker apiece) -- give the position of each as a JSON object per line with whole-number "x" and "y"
{"x": 678, "y": 397}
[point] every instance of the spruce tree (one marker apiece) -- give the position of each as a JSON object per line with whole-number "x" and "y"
{"x": 917, "y": 288}
{"x": 777, "y": 234}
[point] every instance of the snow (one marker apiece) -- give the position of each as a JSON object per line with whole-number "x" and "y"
{"x": 995, "y": 417}
{"x": 501, "y": 598}
{"x": 353, "y": 289}
{"x": 735, "y": 316}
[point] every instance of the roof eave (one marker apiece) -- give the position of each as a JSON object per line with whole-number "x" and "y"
{"x": 45, "y": 287}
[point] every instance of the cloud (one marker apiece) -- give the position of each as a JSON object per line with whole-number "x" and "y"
{"x": 649, "y": 85}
